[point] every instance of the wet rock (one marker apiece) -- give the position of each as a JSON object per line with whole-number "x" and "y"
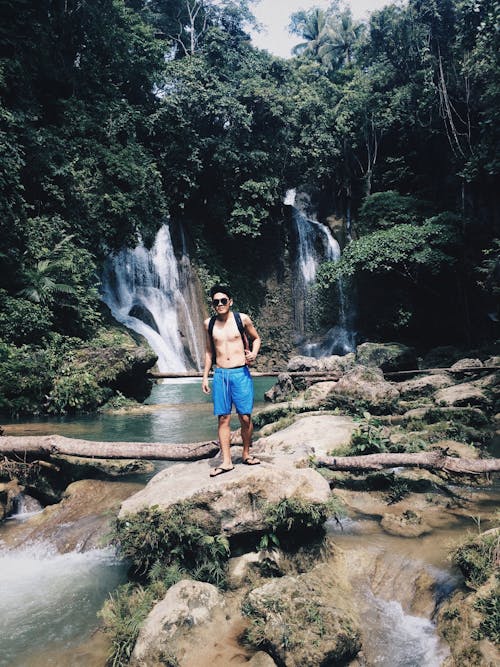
{"x": 465, "y": 394}
{"x": 233, "y": 502}
{"x": 186, "y": 604}
{"x": 81, "y": 521}
{"x": 9, "y": 491}
{"x": 363, "y": 388}
{"x": 424, "y": 385}
{"x": 388, "y": 357}
{"x": 407, "y": 524}
{"x": 307, "y": 620}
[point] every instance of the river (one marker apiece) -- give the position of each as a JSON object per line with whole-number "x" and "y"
{"x": 49, "y": 601}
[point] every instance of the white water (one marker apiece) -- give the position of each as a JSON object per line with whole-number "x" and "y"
{"x": 51, "y": 598}
{"x": 147, "y": 283}
{"x": 413, "y": 640}
{"x": 316, "y": 244}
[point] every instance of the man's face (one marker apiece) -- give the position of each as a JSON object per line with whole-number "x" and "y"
{"x": 221, "y": 303}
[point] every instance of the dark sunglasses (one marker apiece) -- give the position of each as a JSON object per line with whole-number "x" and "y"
{"x": 220, "y": 302}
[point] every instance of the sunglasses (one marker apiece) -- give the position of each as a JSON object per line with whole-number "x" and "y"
{"x": 220, "y": 302}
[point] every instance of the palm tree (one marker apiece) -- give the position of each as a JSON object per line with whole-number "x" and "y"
{"x": 42, "y": 280}
{"x": 341, "y": 34}
{"x": 310, "y": 25}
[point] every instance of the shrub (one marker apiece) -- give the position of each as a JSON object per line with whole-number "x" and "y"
{"x": 477, "y": 558}
{"x": 172, "y": 538}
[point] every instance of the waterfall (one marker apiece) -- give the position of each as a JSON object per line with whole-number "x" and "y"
{"x": 144, "y": 292}
{"x": 316, "y": 244}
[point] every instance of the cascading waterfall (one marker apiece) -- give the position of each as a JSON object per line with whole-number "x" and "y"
{"x": 315, "y": 245}
{"x": 143, "y": 291}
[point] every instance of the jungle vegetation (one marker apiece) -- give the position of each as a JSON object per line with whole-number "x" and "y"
{"x": 117, "y": 113}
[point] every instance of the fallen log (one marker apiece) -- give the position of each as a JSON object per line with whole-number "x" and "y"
{"x": 433, "y": 460}
{"x": 57, "y": 444}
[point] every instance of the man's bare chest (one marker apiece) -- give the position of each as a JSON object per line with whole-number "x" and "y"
{"x": 226, "y": 332}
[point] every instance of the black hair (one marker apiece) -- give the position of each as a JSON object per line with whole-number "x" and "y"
{"x": 224, "y": 289}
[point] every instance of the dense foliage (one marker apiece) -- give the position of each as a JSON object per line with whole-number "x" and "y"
{"x": 115, "y": 113}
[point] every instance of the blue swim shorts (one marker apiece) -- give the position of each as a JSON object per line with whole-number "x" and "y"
{"x": 232, "y": 386}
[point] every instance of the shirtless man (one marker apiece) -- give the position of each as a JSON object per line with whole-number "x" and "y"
{"x": 232, "y": 383}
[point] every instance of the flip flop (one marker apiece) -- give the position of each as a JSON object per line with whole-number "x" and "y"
{"x": 219, "y": 470}
{"x": 251, "y": 461}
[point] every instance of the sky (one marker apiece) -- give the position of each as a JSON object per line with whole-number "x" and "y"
{"x": 275, "y": 17}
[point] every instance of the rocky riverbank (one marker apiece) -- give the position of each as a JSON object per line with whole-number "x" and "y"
{"x": 238, "y": 568}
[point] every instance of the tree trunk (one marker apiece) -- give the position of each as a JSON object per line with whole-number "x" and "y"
{"x": 24, "y": 446}
{"x": 433, "y": 460}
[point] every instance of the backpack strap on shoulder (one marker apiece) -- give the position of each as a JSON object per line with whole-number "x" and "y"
{"x": 211, "y": 336}
{"x": 241, "y": 329}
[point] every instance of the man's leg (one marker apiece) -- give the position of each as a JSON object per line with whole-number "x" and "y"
{"x": 246, "y": 436}
{"x": 224, "y": 431}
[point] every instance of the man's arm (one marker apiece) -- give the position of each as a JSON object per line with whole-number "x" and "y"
{"x": 252, "y": 333}
{"x": 208, "y": 361}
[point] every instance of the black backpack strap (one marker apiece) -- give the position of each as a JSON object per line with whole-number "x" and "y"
{"x": 211, "y": 336}
{"x": 241, "y": 329}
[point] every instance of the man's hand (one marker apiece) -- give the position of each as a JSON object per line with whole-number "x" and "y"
{"x": 250, "y": 357}
{"x": 205, "y": 386}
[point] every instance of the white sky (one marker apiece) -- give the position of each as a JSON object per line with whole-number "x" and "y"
{"x": 275, "y": 17}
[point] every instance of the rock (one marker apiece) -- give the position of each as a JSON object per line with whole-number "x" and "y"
{"x": 186, "y": 604}
{"x": 407, "y": 524}
{"x": 307, "y": 620}
{"x": 261, "y": 659}
{"x": 9, "y": 491}
{"x": 465, "y": 394}
{"x": 310, "y": 434}
{"x": 364, "y": 388}
{"x": 387, "y": 356}
{"x": 333, "y": 363}
{"x": 79, "y": 467}
{"x": 423, "y": 385}
{"x": 492, "y": 361}
{"x": 81, "y": 521}
{"x": 240, "y": 567}
{"x": 234, "y": 502}
{"x": 466, "y": 363}
{"x": 282, "y": 390}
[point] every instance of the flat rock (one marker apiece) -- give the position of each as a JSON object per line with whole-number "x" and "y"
{"x": 311, "y": 434}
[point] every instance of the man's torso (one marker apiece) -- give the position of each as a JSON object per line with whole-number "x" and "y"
{"x": 228, "y": 344}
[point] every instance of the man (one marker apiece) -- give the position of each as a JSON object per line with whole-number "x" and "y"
{"x": 232, "y": 382}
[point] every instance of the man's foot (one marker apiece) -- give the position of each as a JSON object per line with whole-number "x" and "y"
{"x": 251, "y": 461}
{"x": 220, "y": 471}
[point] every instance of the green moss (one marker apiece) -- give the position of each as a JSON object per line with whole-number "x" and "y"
{"x": 489, "y": 607}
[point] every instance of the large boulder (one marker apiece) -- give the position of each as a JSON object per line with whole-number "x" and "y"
{"x": 389, "y": 357}
{"x": 333, "y": 363}
{"x": 363, "y": 388}
{"x": 186, "y": 604}
{"x": 307, "y": 620}
{"x": 232, "y": 503}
